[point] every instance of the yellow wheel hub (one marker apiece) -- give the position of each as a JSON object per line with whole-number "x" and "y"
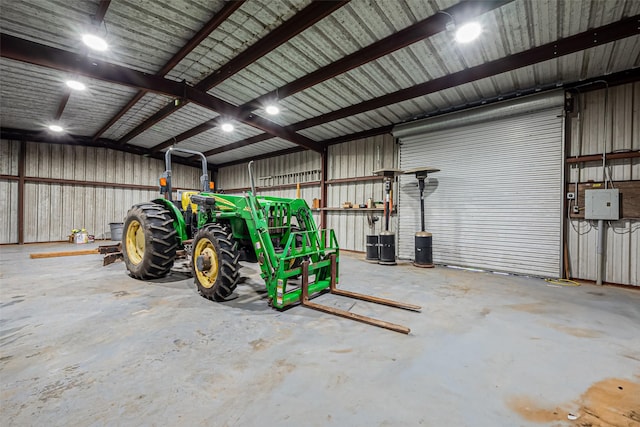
{"x": 207, "y": 276}
{"x": 135, "y": 242}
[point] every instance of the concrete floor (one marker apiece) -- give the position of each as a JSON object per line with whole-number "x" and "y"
{"x": 83, "y": 344}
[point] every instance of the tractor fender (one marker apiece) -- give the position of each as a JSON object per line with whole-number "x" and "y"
{"x": 178, "y": 219}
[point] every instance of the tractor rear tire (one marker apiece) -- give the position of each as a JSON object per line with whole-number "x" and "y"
{"x": 149, "y": 241}
{"x": 215, "y": 262}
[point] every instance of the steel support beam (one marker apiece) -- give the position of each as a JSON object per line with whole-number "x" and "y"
{"x": 324, "y": 168}
{"x": 585, "y": 40}
{"x": 234, "y": 145}
{"x": 85, "y": 141}
{"x": 338, "y": 140}
{"x": 101, "y": 12}
{"x": 595, "y": 37}
{"x": 97, "y": 21}
{"x": 261, "y": 157}
{"x": 403, "y": 38}
{"x": 50, "y": 57}
{"x": 62, "y": 105}
{"x": 22, "y": 167}
{"x": 622, "y": 77}
{"x": 204, "y": 32}
{"x": 304, "y": 19}
{"x": 359, "y": 135}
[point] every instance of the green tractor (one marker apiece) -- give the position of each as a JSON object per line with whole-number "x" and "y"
{"x": 296, "y": 259}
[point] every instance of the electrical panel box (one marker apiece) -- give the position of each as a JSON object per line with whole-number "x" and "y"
{"x": 602, "y": 204}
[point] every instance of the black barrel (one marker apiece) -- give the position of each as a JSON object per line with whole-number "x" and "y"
{"x": 387, "y": 248}
{"x": 424, "y": 252}
{"x": 372, "y": 247}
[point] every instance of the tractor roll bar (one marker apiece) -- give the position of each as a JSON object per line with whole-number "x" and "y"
{"x": 204, "y": 179}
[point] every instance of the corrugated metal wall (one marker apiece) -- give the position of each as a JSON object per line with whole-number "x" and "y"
{"x": 352, "y": 160}
{"x": 348, "y": 160}
{"x": 617, "y": 129}
{"x": 9, "y": 153}
{"x": 289, "y": 169}
{"x": 303, "y": 166}
{"x": 53, "y": 209}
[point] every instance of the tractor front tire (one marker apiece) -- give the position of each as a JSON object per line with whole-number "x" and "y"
{"x": 215, "y": 262}
{"x": 149, "y": 241}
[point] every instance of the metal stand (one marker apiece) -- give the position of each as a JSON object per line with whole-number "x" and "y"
{"x": 387, "y": 238}
{"x": 423, "y": 240}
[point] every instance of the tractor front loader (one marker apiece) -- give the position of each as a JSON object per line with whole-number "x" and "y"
{"x": 296, "y": 259}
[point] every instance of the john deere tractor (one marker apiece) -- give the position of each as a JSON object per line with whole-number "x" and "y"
{"x": 296, "y": 259}
{"x": 278, "y": 233}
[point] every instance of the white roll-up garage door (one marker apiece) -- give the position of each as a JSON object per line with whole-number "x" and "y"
{"x": 496, "y": 204}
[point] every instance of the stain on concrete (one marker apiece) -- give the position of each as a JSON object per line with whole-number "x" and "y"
{"x": 344, "y": 350}
{"x": 120, "y": 294}
{"x": 612, "y": 402}
{"x": 533, "y": 308}
{"x": 259, "y": 344}
{"x": 7, "y": 304}
{"x": 181, "y": 344}
{"x": 72, "y": 379}
{"x": 576, "y": 332}
{"x": 533, "y": 411}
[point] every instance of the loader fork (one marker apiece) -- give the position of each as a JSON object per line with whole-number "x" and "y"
{"x": 304, "y": 299}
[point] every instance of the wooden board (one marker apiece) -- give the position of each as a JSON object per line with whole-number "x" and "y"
{"x": 629, "y": 197}
{"x": 64, "y": 253}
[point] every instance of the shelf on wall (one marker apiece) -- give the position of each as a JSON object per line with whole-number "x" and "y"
{"x": 352, "y": 209}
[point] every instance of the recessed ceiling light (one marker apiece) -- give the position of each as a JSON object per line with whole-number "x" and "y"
{"x": 55, "y": 128}
{"x": 76, "y": 85}
{"x": 95, "y": 42}
{"x": 227, "y": 127}
{"x": 468, "y": 32}
{"x": 272, "y": 110}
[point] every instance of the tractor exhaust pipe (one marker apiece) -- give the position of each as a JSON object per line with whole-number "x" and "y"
{"x": 253, "y": 184}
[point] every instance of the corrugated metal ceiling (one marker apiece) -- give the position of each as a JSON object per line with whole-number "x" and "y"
{"x": 145, "y": 35}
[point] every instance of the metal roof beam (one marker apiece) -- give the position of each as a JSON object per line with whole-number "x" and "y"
{"x": 304, "y": 19}
{"x": 12, "y": 134}
{"x": 46, "y": 56}
{"x": 101, "y": 12}
{"x": 97, "y": 21}
{"x": 585, "y": 40}
{"x": 62, "y": 105}
{"x": 403, "y": 38}
{"x": 238, "y": 144}
{"x": 333, "y": 141}
{"x": 261, "y": 157}
{"x": 204, "y": 32}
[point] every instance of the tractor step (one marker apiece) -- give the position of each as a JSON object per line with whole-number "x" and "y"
{"x": 304, "y": 299}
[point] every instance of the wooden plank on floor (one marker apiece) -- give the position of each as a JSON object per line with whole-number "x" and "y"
{"x": 64, "y": 253}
